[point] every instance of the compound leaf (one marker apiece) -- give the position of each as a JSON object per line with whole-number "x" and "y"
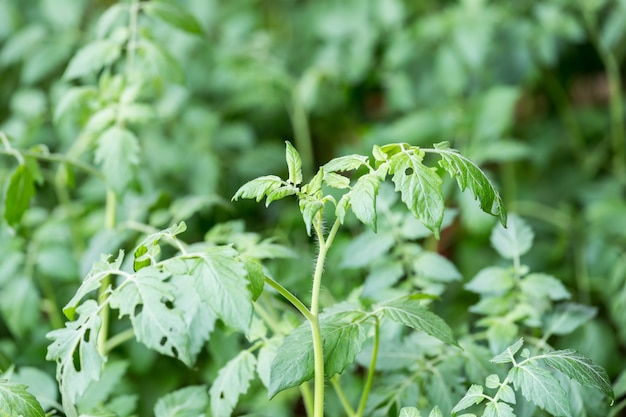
{"x": 118, "y": 153}
{"x": 258, "y": 187}
{"x": 410, "y": 313}
{"x": 468, "y": 175}
{"x": 345, "y": 163}
{"x": 342, "y": 340}
{"x": 190, "y": 401}
{"x": 409, "y": 412}
{"x": 509, "y": 353}
{"x": 498, "y": 409}
{"x": 174, "y": 16}
{"x": 232, "y": 381}
{"x": 20, "y": 191}
{"x": 294, "y": 164}
{"x": 363, "y": 199}
{"x": 539, "y": 386}
{"x": 581, "y": 369}
{"x": 419, "y": 186}
{"x": 16, "y": 401}
{"x": 76, "y": 344}
{"x": 148, "y": 299}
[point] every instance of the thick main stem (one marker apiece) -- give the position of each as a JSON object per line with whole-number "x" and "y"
{"x": 318, "y": 352}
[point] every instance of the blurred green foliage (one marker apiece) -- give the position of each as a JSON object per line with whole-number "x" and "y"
{"x": 204, "y": 93}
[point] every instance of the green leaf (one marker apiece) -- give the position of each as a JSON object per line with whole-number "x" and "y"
{"x": 538, "y": 285}
{"x": 16, "y": 401}
{"x": 220, "y": 279}
{"x": 76, "y": 344}
{"x": 345, "y": 163}
{"x": 294, "y": 164}
{"x": 342, "y": 337}
{"x": 309, "y": 207}
{"x": 540, "y": 387}
{"x": 468, "y": 175}
{"x": 92, "y": 57}
{"x": 40, "y": 383}
{"x": 498, "y": 409}
{"x": 473, "y": 396}
{"x": 491, "y": 280}
{"x": 515, "y": 240}
{"x": 409, "y": 412}
{"x": 72, "y": 100}
{"x": 336, "y": 180}
{"x": 266, "y": 355}
{"x": 20, "y": 305}
{"x": 419, "y": 186}
{"x": 435, "y": 412}
{"x": 567, "y": 317}
{"x": 173, "y": 15}
{"x": 434, "y": 266}
{"x": 363, "y": 199}
{"x": 118, "y": 153}
{"x": 99, "y": 270}
{"x": 232, "y": 381}
{"x": 190, "y": 401}
{"x": 509, "y": 353}
{"x": 580, "y": 369}
{"x": 367, "y": 248}
{"x": 279, "y": 193}
{"x": 256, "y": 277}
{"x": 258, "y": 187}
{"x": 20, "y": 191}
{"x": 410, "y": 313}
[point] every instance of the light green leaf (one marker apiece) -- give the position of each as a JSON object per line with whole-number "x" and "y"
{"x": 173, "y": 15}
{"x": 491, "y": 280}
{"x": 118, "y": 153}
{"x": 146, "y": 298}
{"x": 473, "y": 396}
{"x": 336, "y": 180}
{"x": 20, "y": 305}
{"x": 434, "y": 266}
{"x": 580, "y": 369}
{"x": 509, "y": 353}
{"x": 345, "y": 163}
{"x": 492, "y": 381}
{"x": 363, "y": 199}
{"x": 309, "y": 207}
{"x": 468, "y": 175}
{"x": 515, "y": 240}
{"x": 540, "y": 387}
{"x": 109, "y": 18}
{"x": 76, "y": 343}
{"x": 538, "y": 285}
{"x": 566, "y": 318}
{"x": 366, "y": 248}
{"x": 498, "y": 409}
{"x": 419, "y": 186}
{"x": 279, "y": 193}
{"x": 265, "y": 358}
{"x": 435, "y": 412}
{"x": 342, "y": 337}
{"x": 232, "y": 381}
{"x": 220, "y": 280}
{"x": 190, "y": 401}
{"x": 507, "y": 394}
{"x": 92, "y": 57}
{"x": 411, "y": 313}
{"x": 15, "y": 401}
{"x": 39, "y": 383}
{"x": 409, "y": 412}
{"x": 20, "y": 191}
{"x": 258, "y": 187}
{"x": 294, "y": 164}
{"x": 100, "y": 390}
{"x": 99, "y": 270}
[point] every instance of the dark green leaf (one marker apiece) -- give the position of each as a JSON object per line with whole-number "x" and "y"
{"x": 580, "y": 369}
{"x": 173, "y": 15}
{"x": 232, "y": 381}
{"x": 419, "y": 186}
{"x": 16, "y": 401}
{"x": 411, "y": 313}
{"x": 258, "y": 187}
{"x": 540, "y": 387}
{"x": 515, "y": 240}
{"x": 342, "y": 337}
{"x": 468, "y": 175}
{"x": 363, "y": 199}
{"x": 256, "y": 277}
{"x": 20, "y": 191}
{"x": 294, "y": 164}
{"x": 118, "y": 153}
{"x": 190, "y": 401}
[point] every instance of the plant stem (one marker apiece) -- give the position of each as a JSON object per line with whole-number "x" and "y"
{"x": 372, "y": 370}
{"x": 119, "y": 339}
{"x": 318, "y": 353}
{"x": 301, "y": 131}
{"x": 342, "y": 396}
{"x": 305, "y": 391}
{"x": 105, "y": 313}
{"x": 299, "y": 305}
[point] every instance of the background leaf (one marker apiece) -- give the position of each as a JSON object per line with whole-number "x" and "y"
{"x": 16, "y": 401}
{"x": 174, "y": 16}
{"x": 118, "y": 153}
{"x": 191, "y": 401}
{"x": 232, "y": 381}
{"x": 515, "y": 240}
{"x": 20, "y": 191}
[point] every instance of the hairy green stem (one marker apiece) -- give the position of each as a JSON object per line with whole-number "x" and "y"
{"x": 105, "y": 313}
{"x": 299, "y": 305}
{"x": 302, "y": 132}
{"x": 318, "y": 353}
{"x": 372, "y": 370}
